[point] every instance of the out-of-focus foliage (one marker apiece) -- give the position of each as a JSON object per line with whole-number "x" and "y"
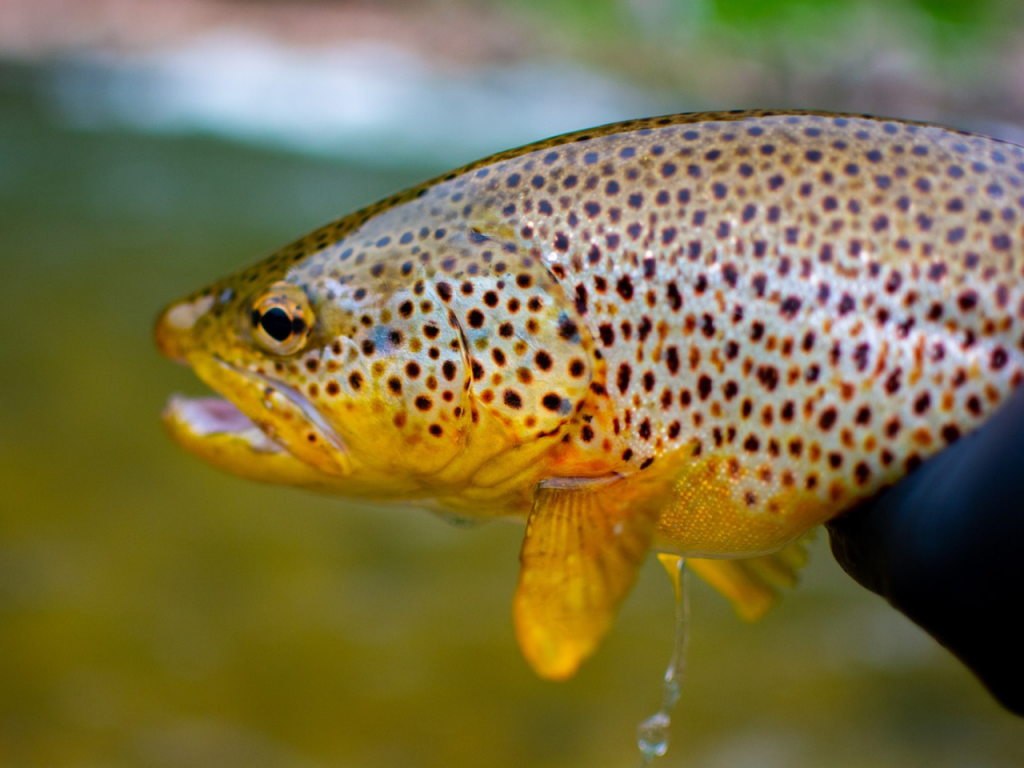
{"x": 935, "y": 57}
{"x": 963, "y": 20}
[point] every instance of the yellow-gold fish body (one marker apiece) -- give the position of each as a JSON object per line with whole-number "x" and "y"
{"x": 704, "y": 334}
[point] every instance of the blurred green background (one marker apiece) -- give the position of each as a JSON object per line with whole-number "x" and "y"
{"x": 155, "y": 612}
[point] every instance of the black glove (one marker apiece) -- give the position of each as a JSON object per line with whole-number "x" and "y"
{"x": 945, "y": 546}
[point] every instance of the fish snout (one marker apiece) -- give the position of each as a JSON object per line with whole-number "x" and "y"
{"x": 173, "y": 330}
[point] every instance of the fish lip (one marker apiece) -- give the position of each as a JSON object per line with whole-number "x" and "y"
{"x": 309, "y": 412}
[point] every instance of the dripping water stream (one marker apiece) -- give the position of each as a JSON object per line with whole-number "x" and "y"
{"x": 653, "y": 733}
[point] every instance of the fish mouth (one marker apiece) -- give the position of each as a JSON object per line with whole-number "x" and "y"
{"x": 215, "y": 416}
{"x": 256, "y": 418}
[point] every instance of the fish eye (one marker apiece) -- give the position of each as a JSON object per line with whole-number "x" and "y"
{"x": 281, "y": 319}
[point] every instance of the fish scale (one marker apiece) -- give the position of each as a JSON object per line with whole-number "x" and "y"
{"x": 705, "y": 334}
{"x": 822, "y": 301}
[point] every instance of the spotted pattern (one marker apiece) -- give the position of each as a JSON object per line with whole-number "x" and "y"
{"x": 808, "y": 303}
{"x": 823, "y": 300}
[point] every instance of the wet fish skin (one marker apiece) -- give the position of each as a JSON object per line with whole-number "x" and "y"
{"x": 703, "y": 333}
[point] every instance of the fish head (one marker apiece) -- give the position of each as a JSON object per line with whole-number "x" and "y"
{"x": 375, "y": 365}
{"x": 339, "y": 380}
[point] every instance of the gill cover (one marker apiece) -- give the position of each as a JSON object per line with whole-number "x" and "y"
{"x": 385, "y": 369}
{"x": 529, "y": 355}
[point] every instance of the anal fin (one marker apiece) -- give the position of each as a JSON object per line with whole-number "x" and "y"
{"x": 583, "y": 547}
{"x": 752, "y": 584}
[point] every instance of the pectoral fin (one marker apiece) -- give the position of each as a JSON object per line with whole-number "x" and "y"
{"x": 752, "y": 584}
{"x": 583, "y": 547}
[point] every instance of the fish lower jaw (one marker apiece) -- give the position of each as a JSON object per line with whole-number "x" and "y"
{"x": 207, "y": 417}
{"x": 217, "y": 432}
{"x": 281, "y": 412}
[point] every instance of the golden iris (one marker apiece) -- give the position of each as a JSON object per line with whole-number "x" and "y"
{"x": 282, "y": 319}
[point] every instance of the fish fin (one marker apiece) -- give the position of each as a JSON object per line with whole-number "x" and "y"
{"x": 583, "y": 547}
{"x": 752, "y": 584}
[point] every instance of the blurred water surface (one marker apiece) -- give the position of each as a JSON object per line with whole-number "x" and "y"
{"x": 156, "y": 612}
{"x": 371, "y": 103}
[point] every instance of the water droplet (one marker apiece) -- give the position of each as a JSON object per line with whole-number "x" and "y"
{"x": 652, "y": 736}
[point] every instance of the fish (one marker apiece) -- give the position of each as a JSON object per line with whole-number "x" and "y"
{"x": 701, "y": 334}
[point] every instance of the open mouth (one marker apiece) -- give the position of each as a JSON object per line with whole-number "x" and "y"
{"x": 208, "y": 416}
{"x": 257, "y": 414}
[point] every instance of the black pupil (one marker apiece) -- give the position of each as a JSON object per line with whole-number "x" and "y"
{"x": 276, "y": 324}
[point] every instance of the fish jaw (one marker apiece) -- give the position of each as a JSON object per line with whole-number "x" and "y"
{"x": 263, "y": 429}
{"x": 217, "y": 432}
{"x": 280, "y": 412}
{"x": 260, "y": 428}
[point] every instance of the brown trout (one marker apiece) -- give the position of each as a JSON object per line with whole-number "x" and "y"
{"x": 702, "y": 334}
